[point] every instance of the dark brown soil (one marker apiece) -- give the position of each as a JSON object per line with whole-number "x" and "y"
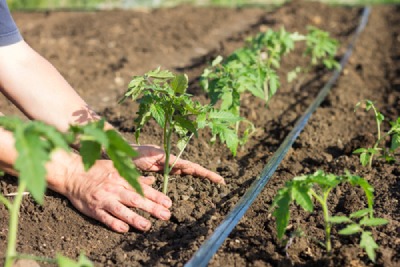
{"x": 98, "y": 52}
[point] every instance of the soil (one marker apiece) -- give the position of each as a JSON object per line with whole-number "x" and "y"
{"x": 98, "y": 52}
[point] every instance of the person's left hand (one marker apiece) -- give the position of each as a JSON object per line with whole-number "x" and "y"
{"x": 152, "y": 158}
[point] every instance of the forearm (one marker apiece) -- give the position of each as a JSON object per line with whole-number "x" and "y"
{"x": 58, "y": 169}
{"x": 39, "y": 90}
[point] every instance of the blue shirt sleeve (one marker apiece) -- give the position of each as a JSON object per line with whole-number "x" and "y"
{"x": 9, "y": 33}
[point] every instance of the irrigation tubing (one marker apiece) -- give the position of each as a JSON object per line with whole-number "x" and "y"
{"x": 212, "y": 244}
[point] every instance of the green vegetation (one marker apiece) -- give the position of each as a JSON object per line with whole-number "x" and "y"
{"x": 35, "y": 142}
{"x": 163, "y": 97}
{"x": 253, "y": 68}
{"x": 388, "y": 153}
{"x": 302, "y": 190}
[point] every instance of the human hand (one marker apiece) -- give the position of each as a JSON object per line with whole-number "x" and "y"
{"x": 102, "y": 194}
{"x": 152, "y": 158}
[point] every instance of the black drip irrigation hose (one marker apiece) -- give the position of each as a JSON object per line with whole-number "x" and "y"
{"x": 212, "y": 244}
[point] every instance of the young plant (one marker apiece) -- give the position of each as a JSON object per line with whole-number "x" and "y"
{"x": 302, "y": 190}
{"x": 162, "y": 95}
{"x": 367, "y": 154}
{"x": 321, "y": 49}
{"x": 253, "y": 68}
{"x": 35, "y": 142}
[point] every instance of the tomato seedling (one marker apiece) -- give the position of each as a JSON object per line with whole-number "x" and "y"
{"x": 162, "y": 95}
{"x": 302, "y": 190}
{"x": 35, "y": 142}
{"x": 253, "y": 68}
{"x": 367, "y": 154}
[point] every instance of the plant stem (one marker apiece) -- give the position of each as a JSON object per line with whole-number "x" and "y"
{"x": 5, "y": 201}
{"x": 180, "y": 152}
{"x": 376, "y": 146}
{"x": 167, "y": 148}
{"x": 11, "y": 252}
{"x": 328, "y": 226}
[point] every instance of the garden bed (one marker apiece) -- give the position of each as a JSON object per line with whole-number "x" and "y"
{"x": 98, "y": 52}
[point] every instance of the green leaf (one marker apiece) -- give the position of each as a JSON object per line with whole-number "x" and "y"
{"x": 350, "y": 229}
{"x": 158, "y": 113}
{"x": 63, "y": 261}
{"x": 185, "y": 123}
{"x": 339, "y": 219}
{"x": 90, "y": 152}
{"x": 160, "y": 74}
{"x": 368, "y": 243}
{"x": 217, "y": 61}
{"x": 180, "y": 83}
{"x": 282, "y": 214}
{"x": 364, "y": 158}
{"x": 360, "y": 150}
{"x": 380, "y": 117}
{"x": 230, "y": 137}
{"x": 121, "y": 153}
{"x": 360, "y": 213}
{"x": 373, "y": 221}
{"x": 33, "y": 153}
{"x": 300, "y": 195}
{"x": 119, "y": 143}
{"x": 368, "y": 189}
{"x": 395, "y": 142}
{"x": 224, "y": 116}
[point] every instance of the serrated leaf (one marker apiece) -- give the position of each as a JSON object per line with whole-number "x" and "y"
{"x": 201, "y": 121}
{"x": 90, "y": 152}
{"x": 120, "y": 155}
{"x": 282, "y": 213}
{"x": 33, "y": 153}
{"x": 395, "y": 142}
{"x": 360, "y": 213}
{"x": 230, "y": 137}
{"x": 350, "y": 229}
{"x": 63, "y": 261}
{"x": 373, "y": 221}
{"x": 339, "y": 219}
{"x": 226, "y": 116}
{"x": 180, "y": 83}
{"x": 300, "y": 195}
{"x": 160, "y": 74}
{"x": 368, "y": 243}
{"x": 185, "y": 123}
{"x": 119, "y": 144}
{"x": 360, "y": 150}
{"x": 158, "y": 113}
{"x": 364, "y": 158}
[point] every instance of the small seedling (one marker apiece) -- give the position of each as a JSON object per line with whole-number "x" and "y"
{"x": 302, "y": 190}
{"x": 35, "y": 142}
{"x": 163, "y": 97}
{"x": 367, "y": 154}
{"x": 253, "y": 68}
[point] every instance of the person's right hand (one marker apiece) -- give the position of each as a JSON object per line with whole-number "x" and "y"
{"x": 105, "y": 196}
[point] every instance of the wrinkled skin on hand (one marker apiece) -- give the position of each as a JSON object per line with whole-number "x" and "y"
{"x": 103, "y": 195}
{"x": 152, "y": 158}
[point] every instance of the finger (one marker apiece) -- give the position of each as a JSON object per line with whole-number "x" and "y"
{"x": 156, "y": 196}
{"x": 125, "y": 214}
{"x": 190, "y": 168}
{"x": 111, "y": 222}
{"x": 147, "y": 180}
{"x": 131, "y": 199}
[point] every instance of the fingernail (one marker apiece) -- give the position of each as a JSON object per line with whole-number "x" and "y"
{"x": 165, "y": 214}
{"x": 166, "y": 203}
{"x": 144, "y": 225}
{"x": 124, "y": 228}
